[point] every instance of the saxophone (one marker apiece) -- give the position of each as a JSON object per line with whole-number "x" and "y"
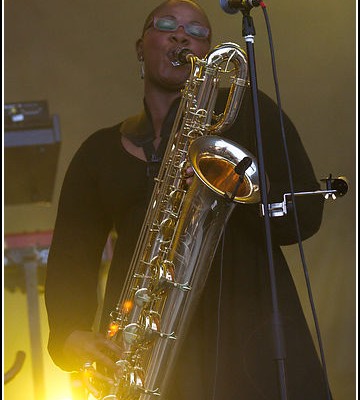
{"x": 182, "y": 226}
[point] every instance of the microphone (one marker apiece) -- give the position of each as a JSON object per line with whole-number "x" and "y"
{"x": 242, "y": 166}
{"x": 240, "y": 170}
{"x": 234, "y": 6}
{"x": 339, "y": 184}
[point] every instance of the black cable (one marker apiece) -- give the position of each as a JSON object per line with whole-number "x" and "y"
{"x": 219, "y": 314}
{"x": 301, "y": 250}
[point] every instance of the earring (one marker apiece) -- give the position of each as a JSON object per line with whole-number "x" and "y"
{"x": 142, "y": 72}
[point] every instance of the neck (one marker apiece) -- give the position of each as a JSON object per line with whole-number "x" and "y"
{"x": 158, "y": 103}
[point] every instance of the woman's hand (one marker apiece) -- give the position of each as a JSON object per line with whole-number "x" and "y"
{"x": 84, "y": 346}
{"x": 188, "y": 175}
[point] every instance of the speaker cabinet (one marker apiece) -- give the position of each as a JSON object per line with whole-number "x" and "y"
{"x": 30, "y": 162}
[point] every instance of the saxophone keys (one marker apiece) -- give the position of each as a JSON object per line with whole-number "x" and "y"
{"x": 167, "y": 335}
{"x": 163, "y": 275}
{"x": 167, "y": 227}
{"x": 152, "y": 392}
{"x": 133, "y": 333}
{"x": 143, "y": 332}
{"x": 151, "y": 324}
{"x": 182, "y": 286}
{"x": 127, "y": 306}
{"x": 142, "y": 276}
{"x": 142, "y": 297}
{"x": 137, "y": 378}
{"x": 122, "y": 368}
{"x": 113, "y": 329}
{"x": 176, "y": 198}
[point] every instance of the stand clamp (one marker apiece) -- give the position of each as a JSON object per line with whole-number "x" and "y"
{"x": 335, "y": 187}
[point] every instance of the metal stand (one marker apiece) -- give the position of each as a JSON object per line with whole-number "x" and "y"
{"x": 29, "y": 260}
{"x": 334, "y": 187}
{"x": 15, "y": 368}
{"x": 277, "y": 328}
{"x": 31, "y": 267}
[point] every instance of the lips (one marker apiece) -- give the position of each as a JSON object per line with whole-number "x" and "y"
{"x": 173, "y": 54}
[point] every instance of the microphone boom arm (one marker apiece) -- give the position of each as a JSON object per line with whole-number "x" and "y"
{"x": 334, "y": 187}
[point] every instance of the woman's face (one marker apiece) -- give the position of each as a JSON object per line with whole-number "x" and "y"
{"x": 157, "y": 46}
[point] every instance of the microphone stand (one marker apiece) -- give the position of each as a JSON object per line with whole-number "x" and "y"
{"x": 277, "y": 328}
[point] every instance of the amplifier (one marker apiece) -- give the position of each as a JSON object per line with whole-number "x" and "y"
{"x": 31, "y": 151}
{"x": 20, "y": 115}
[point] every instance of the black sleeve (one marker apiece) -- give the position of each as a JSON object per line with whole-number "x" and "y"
{"x": 309, "y": 208}
{"x": 80, "y": 233}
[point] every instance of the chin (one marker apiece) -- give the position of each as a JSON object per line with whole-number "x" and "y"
{"x": 174, "y": 84}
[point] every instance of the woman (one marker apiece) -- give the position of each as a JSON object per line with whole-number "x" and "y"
{"x": 228, "y": 350}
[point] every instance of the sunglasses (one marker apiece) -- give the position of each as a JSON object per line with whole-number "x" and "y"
{"x": 165, "y": 24}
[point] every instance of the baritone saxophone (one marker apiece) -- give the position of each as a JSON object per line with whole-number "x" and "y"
{"x": 182, "y": 226}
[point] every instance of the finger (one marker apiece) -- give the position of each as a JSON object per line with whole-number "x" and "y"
{"x": 101, "y": 350}
{"x": 189, "y": 180}
{"x": 103, "y": 359}
{"x": 113, "y": 347}
{"x": 189, "y": 171}
{"x": 90, "y": 387}
{"x": 91, "y": 373}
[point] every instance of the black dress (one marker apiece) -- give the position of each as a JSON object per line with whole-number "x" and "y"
{"x": 227, "y": 352}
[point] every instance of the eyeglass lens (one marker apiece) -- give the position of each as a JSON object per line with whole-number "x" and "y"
{"x": 168, "y": 24}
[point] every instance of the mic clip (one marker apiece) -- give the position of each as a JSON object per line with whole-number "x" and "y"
{"x": 335, "y": 187}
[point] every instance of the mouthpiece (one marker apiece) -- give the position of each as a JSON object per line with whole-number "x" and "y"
{"x": 180, "y": 56}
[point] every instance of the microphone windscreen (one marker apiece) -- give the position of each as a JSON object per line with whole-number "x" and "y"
{"x": 224, "y": 4}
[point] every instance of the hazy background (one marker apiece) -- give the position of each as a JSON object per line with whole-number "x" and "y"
{"x": 80, "y": 57}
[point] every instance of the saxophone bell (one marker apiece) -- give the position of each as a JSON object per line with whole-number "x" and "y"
{"x": 216, "y": 162}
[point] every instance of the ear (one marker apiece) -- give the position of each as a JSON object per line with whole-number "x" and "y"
{"x": 139, "y": 49}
